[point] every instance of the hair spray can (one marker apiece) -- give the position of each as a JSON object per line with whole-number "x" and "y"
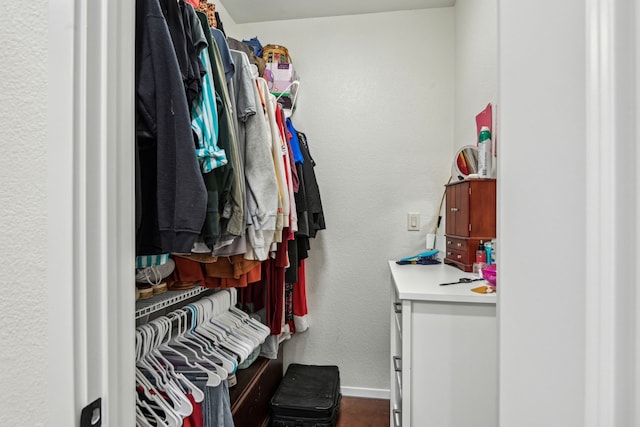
{"x": 484, "y": 153}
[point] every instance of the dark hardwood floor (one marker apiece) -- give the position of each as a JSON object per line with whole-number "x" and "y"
{"x": 359, "y": 412}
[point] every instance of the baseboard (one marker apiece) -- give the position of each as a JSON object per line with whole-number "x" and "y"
{"x": 369, "y": 393}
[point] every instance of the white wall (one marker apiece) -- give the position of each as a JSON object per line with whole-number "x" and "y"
{"x": 476, "y": 65}
{"x": 542, "y": 220}
{"x": 23, "y": 214}
{"x": 376, "y": 103}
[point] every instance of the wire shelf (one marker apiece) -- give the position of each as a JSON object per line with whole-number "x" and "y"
{"x": 158, "y": 302}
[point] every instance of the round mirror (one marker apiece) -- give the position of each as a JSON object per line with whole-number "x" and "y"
{"x": 465, "y": 163}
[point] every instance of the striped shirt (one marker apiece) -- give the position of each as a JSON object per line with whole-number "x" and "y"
{"x": 204, "y": 122}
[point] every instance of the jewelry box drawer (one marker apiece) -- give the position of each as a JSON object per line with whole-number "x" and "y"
{"x": 456, "y": 244}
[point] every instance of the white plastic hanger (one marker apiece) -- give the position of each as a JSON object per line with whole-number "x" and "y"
{"x": 200, "y": 344}
{"x": 230, "y": 323}
{"x": 180, "y": 403}
{"x": 182, "y": 381}
{"x": 141, "y": 418}
{"x": 225, "y": 341}
{"x": 218, "y": 337}
{"x": 263, "y": 329}
{"x": 201, "y": 330}
{"x": 171, "y": 418}
{"x": 289, "y": 112}
{"x": 246, "y": 323}
{"x": 239, "y": 329}
{"x": 213, "y": 379}
{"x": 233, "y": 324}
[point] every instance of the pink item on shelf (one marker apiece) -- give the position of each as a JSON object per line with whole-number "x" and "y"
{"x": 489, "y": 274}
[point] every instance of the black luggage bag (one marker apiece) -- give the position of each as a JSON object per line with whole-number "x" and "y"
{"x": 308, "y": 396}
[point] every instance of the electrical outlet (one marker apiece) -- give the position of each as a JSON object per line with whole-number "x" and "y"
{"x": 413, "y": 221}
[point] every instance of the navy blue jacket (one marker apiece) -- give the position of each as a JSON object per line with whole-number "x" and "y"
{"x": 170, "y": 194}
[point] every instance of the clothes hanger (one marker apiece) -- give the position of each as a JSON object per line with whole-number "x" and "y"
{"x": 141, "y": 418}
{"x": 232, "y": 324}
{"x": 217, "y": 335}
{"x": 225, "y": 341}
{"x": 171, "y": 418}
{"x": 260, "y": 331}
{"x": 187, "y": 386}
{"x": 213, "y": 378}
{"x": 243, "y": 335}
{"x": 204, "y": 347}
{"x": 246, "y": 328}
{"x": 180, "y": 403}
{"x": 263, "y": 329}
{"x": 229, "y": 324}
{"x": 289, "y": 112}
{"x": 219, "y": 306}
{"x": 200, "y": 329}
{"x": 164, "y": 366}
{"x": 232, "y": 342}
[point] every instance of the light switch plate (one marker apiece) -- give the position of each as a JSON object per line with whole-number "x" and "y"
{"x": 413, "y": 221}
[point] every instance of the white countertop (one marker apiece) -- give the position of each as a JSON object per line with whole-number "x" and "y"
{"x": 422, "y": 283}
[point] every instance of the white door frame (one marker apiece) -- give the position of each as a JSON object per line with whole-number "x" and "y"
{"x": 91, "y": 203}
{"x": 612, "y": 381}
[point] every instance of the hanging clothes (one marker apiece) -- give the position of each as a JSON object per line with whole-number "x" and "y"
{"x": 278, "y": 148}
{"x": 225, "y": 53}
{"x": 259, "y": 172}
{"x": 312, "y": 190}
{"x": 224, "y": 220}
{"x": 231, "y": 182}
{"x": 204, "y": 114}
{"x": 170, "y": 193}
{"x": 209, "y": 9}
{"x": 300, "y": 311}
{"x": 244, "y": 183}
{"x": 183, "y": 49}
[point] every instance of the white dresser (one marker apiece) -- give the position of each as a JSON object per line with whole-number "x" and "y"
{"x": 443, "y": 349}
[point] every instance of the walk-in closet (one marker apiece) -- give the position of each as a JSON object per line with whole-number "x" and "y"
{"x": 386, "y": 98}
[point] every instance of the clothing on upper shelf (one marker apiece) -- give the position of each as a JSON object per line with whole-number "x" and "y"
{"x": 256, "y": 60}
{"x": 219, "y": 165}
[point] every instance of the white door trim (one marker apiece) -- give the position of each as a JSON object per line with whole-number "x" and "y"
{"x": 91, "y": 209}
{"x": 611, "y": 383}
{"x": 60, "y": 176}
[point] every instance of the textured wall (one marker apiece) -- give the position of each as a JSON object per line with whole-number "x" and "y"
{"x": 376, "y": 103}
{"x": 23, "y": 214}
{"x": 476, "y": 65}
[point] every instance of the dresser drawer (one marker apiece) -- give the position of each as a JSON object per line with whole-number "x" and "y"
{"x": 459, "y": 256}
{"x": 461, "y": 252}
{"x": 457, "y": 244}
{"x": 462, "y": 260}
